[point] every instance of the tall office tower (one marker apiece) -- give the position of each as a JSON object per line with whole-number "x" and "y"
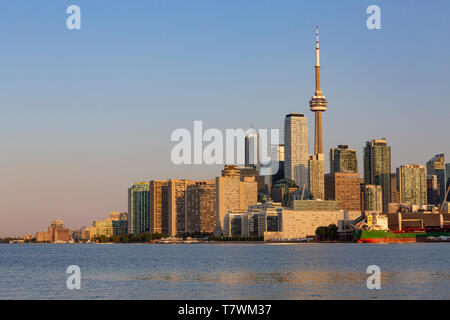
{"x": 201, "y": 207}
{"x": 139, "y": 208}
{"x": 252, "y": 149}
{"x": 433, "y": 190}
{"x": 318, "y": 103}
{"x": 316, "y": 180}
{"x": 343, "y": 159}
{"x": 412, "y": 184}
{"x": 371, "y": 198}
{"x": 436, "y": 166}
{"x": 377, "y": 167}
{"x": 233, "y": 192}
{"x": 296, "y": 148}
{"x": 344, "y": 187}
{"x": 159, "y": 209}
{"x": 395, "y": 195}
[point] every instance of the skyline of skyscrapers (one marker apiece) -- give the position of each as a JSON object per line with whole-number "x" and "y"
{"x": 219, "y": 205}
{"x": 173, "y": 206}
{"x": 189, "y": 203}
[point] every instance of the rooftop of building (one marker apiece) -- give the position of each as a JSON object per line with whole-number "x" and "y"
{"x": 295, "y": 114}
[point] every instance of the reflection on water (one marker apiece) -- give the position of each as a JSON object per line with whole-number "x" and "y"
{"x": 250, "y": 271}
{"x": 253, "y": 278}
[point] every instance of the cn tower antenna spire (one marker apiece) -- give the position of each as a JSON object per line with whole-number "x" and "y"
{"x": 317, "y": 46}
{"x": 318, "y": 90}
{"x": 318, "y": 103}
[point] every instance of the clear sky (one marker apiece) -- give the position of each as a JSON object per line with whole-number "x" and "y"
{"x": 86, "y": 113}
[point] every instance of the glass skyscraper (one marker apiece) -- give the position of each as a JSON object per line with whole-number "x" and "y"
{"x": 139, "y": 208}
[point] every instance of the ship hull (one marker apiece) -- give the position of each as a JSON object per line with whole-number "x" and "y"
{"x": 388, "y": 240}
{"x": 377, "y": 236}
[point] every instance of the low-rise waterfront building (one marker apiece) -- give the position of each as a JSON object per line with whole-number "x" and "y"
{"x": 115, "y": 225}
{"x": 55, "y": 233}
{"x": 81, "y": 235}
{"x": 296, "y": 224}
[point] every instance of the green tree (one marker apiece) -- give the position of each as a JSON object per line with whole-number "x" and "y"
{"x": 332, "y": 232}
{"x": 322, "y": 233}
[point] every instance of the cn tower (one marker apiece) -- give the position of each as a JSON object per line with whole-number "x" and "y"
{"x": 318, "y": 103}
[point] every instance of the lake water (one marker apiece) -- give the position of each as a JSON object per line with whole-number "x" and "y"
{"x": 225, "y": 271}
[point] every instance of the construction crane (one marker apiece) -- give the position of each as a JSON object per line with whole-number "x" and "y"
{"x": 441, "y": 208}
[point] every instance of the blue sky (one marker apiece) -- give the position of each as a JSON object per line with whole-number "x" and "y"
{"x": 86, "y": 113}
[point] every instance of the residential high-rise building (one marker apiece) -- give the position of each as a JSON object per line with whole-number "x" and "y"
{"x": 433, "y": 190}
{"x": 179, "y": 206}
{"x": 201, "y": 207}
{"x": 377, "y": 167}
{"x": 176, "y": 196}
{"x": 395, "y": 196}
{"x": 344, "y": 187}
{"x": 436, "y": 166}
{"x": 318, "y": 103}
{"x": 252, "y": 149}
{"x": 233, "y": 192}
{"x": 371, "y": 198}
{"x": 412, "y": 184}
{"x": 296, "y": 148}
{"x": 139, "y": 208}
{"x": 159, "y": 209}
{"x": 316, "y": 181}
{"x": 343, "y": 159}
